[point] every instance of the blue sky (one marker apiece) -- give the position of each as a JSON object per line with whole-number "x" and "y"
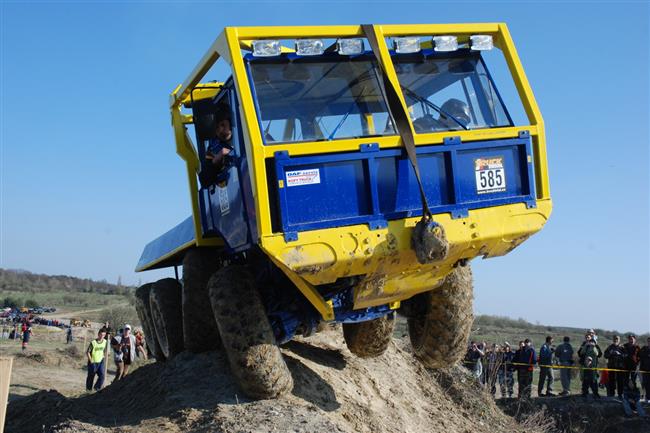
{"x": 89, "y": 175}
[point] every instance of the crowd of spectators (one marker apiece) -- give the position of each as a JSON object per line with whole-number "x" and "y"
{"x": 626, "y": 376}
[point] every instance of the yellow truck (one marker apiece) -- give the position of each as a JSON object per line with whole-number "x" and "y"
{"x": 342, "y": 174}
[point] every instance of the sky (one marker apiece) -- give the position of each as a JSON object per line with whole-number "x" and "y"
{"x": 89, "y": 175}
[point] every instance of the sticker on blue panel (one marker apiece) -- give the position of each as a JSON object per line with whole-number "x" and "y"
{"x": 303, "y": 177}
{"x": 490, "y": 175}
{"x": 224, "y": 203}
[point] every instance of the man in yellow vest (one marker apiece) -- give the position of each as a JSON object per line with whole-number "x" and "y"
{"x": 95, "y": 355}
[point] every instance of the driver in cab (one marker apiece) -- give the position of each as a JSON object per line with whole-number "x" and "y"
{"x": 454, "y": 115}
{"x": 216, "y": 155}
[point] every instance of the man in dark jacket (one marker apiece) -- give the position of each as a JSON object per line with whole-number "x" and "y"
{"x": 545, "y": 370}
{"x": 564, "y": 355}
{"x": 631, "y": 351}
{"x": 644, "y": 366}
{"x": 526, "y": 359}
{"x": 616, "y": 361}
{"x": 506, "y": 370}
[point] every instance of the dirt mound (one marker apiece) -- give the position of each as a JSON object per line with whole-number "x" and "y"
{"x": 334, "y": 391}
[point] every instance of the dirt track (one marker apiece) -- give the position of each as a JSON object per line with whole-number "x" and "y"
{"x": 334, "y": 392}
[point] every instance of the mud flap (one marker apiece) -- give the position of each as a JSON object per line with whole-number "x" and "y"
{"x": 429, "y": 241}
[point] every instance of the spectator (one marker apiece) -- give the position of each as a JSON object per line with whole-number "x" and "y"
{"x": 95, "y": 355}
{"x": 505, "y": 371}
{"x": 124, "y": 344}
{"x": 527, "y": 360}
{"x": 615, "y": 361}
{"x": 27, "y": 334}
{"x": 473, "y": 359}
{"x": 139, "y": 344}
{"x": 564, "y": 355}
{"x": 589, "y": 353}
{"x": 631, "y": 353}
{"x": 644, "y": 366}
{"x": 545, "y": 368}
{"x": 118, "y": 356}
{"x": 68, "y": 335}
{"x": 493, "y": 357}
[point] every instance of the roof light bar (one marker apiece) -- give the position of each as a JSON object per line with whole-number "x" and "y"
{"x": 408, "y": 44}
{"x": 445, "y": 43}
{"x": 309, "y": 47}
{"x": 349, "y": 47}
{"x": 481, "y": 42}
{"x": 266, "y": 48}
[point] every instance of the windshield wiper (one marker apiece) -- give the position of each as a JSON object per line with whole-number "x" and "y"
{"x": 420, "y": 99}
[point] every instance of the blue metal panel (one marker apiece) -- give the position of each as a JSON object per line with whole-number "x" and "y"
{"x": 372, "y": 186}
{"x": 167, "y": 244}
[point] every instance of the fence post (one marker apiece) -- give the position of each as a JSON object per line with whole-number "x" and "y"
{"x": 5, "y": 379}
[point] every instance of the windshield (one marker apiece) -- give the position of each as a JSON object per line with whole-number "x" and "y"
{"x": 324, "y": 98}
{"x": 449, "y": 92}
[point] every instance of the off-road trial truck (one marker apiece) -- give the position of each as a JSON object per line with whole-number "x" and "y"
{"x": 369, "y": 165}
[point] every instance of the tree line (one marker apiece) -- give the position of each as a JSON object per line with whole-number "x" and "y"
{"x": 25, "y": 281}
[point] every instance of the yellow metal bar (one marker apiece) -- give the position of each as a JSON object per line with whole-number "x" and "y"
{"x": 437, "y": 29}
{"x": 530, "y": 105}
{"x": 324, "y": 307}
{"x": 392, "y": 141}
{"x": 199, "y": 71}
{"x": 252, "y": 135}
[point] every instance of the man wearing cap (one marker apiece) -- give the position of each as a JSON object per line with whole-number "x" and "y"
{"x": 631, "y": 351}
{"x": 615, "y": 361}
{"x": 124, "y": 346}
{"x": 564, "y": 355}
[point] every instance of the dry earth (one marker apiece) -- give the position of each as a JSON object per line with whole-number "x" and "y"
{"x": 334, "y": 392}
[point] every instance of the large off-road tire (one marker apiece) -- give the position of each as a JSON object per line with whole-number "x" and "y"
{"x": 167, "y": 316}
{"x": 200, "y": 332}
{"x": 371, "y": 338}
{"x": 246, "y": 334}
{"x": 440, "y": 330}
{"x": 143, "y": 309}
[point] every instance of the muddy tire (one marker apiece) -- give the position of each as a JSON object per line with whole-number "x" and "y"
{"x": 246, "y": 335}
{"x": 369, "y": 339}
{"x": 200, "y": 332}
{"x": 166, "y": 315}
{"x": 441, "y": 327}
{"x": 143, "y": 309}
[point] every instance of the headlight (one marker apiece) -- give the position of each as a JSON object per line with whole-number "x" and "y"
{"x": 445, "y": 43}
{"x": 309, "y": 47}
{"x": 409, "y": 44}
{"x": 349, "y": 47}
{"x": 266, "y": 48}
{"x": 481, "y": 42}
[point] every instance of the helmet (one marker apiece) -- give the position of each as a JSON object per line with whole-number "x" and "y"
{"x": 458, "y": 110}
